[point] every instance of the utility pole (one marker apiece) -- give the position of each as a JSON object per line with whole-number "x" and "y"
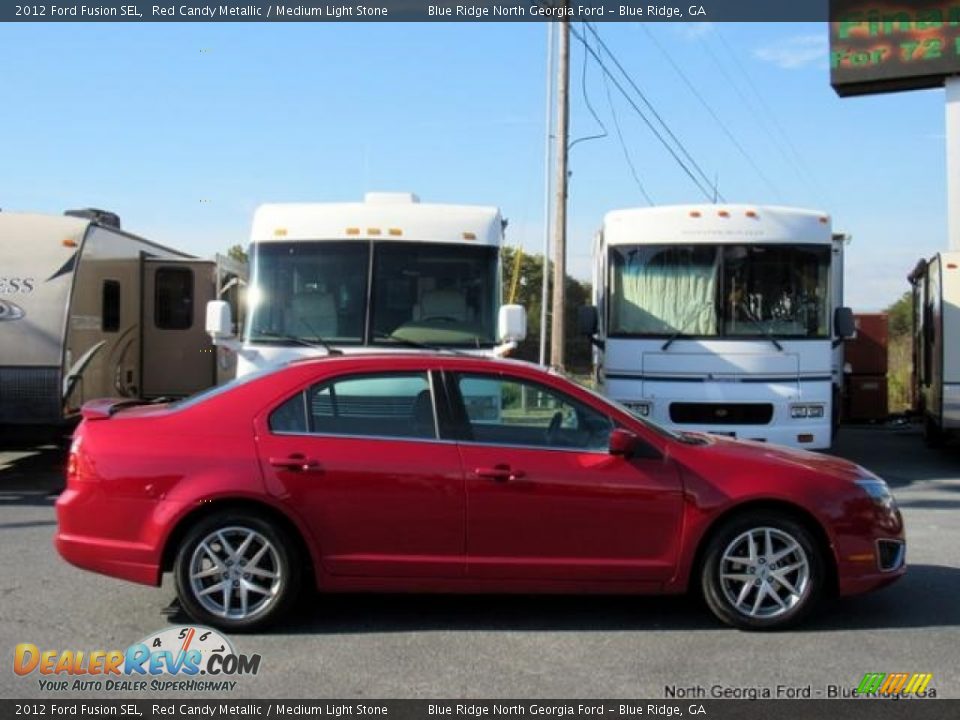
{"x": 547, "y": 179}
{"x": 557, "y": 330}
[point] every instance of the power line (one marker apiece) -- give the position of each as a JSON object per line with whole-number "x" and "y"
{"x": 623, "y": 145}
{"x": 652, "y": 109}
{"x": 706, "y": 190}
{"x": 723, "y": 127}
{"x": 797, "y": 161}
{"x": 586, "y": 100}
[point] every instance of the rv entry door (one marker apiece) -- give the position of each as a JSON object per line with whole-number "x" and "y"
{"x": 178, "y": 358}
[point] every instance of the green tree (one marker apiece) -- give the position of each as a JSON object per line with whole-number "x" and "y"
{"x": 900, "y": 316}
{"x": 578, "y": 353}
{"x": 900, "y": 352}
{"x": 236, "y": 252}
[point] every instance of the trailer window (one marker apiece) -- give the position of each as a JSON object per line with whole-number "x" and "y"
{"x": 110, "y": 320}
{"x": 173, "y": 309}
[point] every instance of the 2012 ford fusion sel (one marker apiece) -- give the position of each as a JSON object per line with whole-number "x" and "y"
{"x": 448, "y": 473}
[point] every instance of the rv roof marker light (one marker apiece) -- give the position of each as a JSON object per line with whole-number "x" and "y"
{"x": 951, "y": 266}
{"x": 280, "y": 232}
{"x": 824, "y": 219}
{"x": 373, "y": 231}
{"x": 469, "y": 236}
{"x": 752, "y": 214}
{"x": 395, "y": 232}
{"x": 353, "y": 231}
{"x": 69, "y": 242}
{"x": 723, "y": 214}
{"x": 694, "y": 213}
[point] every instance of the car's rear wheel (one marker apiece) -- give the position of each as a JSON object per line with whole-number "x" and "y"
{"x": 762, "y": 570}
{"x": 236, "y": 571}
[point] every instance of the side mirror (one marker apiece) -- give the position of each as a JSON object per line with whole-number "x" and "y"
{"x": 622, "y": 442}
{"x": 843, "y": 323}
{"x": 219, "y": 320}
{"x": 512, "y": 323}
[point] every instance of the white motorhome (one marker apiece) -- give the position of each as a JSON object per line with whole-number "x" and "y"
{"x": 389, "y": 272}
{"x": 88, "y": 310}
{"x": 936, "y": 344}
{"x": 722, "y": 318}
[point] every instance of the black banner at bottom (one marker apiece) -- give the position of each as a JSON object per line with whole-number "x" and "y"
{"x": 862, "y": 709}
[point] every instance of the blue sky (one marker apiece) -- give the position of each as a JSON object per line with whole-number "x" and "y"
{"x": 184, "y": 128}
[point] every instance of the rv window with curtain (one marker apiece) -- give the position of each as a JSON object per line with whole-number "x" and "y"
{"x": 110, "y": 309}
{"x": 662, "y": 290}
{"x": 173, "y": 309}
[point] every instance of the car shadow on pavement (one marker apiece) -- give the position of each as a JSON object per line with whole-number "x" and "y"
{"x": 925, "y": 597}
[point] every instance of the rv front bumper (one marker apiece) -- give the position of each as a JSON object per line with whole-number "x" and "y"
{"x": 807, "y": 436}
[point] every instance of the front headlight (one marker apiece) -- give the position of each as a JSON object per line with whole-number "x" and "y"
{"x": 878, "y": 490}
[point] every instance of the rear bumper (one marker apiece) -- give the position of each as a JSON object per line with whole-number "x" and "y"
{"x": 81, "y": 541}
{"x": 120, "y": 560}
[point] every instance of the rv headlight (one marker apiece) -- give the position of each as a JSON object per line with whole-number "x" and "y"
{"x": 807, "y": 411}
{"x": 640, "y": 409}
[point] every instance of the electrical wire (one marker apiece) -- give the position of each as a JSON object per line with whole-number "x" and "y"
{"x": 705, "y": 188}
{"x": 679, "y": 145}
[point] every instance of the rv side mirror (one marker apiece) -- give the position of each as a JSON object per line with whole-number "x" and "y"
{"x": 512, "y": 323}
{"x": 587, "y": 320}
{"x": 219, "y": 320}
{"x": 843, "y": 323}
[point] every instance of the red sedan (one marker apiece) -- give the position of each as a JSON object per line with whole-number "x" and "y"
{"x": 448, "y": 473}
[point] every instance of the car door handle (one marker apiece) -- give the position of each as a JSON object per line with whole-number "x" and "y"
{"x": 297, "y": 462}
{"x": 501, "y": 473}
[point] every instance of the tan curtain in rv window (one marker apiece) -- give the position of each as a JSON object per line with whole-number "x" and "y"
{"x": 662, "y": 291}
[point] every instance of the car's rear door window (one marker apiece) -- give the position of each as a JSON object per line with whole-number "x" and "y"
{"x": 383, "y": 405}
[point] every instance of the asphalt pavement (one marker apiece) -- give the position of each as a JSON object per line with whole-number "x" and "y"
{"x": 391, "y": 646}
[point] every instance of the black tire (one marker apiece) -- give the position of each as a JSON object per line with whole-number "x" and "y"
{"x": 932, "y": 433}
{"x": 716, "y": 591}
{"x": 281, "y": 558}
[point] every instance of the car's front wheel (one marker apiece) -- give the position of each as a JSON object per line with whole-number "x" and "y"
{"x": 762, "y": 570}
{"x": 236, "y": 571}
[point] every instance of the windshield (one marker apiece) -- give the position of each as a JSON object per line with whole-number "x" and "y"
{"x": 720, "y": 291}
{"x": 309, "y": 290}
{"x": 439, "y": 294}
{"x": 434, "y": 293}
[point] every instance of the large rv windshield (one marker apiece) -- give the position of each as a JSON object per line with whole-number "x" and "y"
{"x": 436, "y": 293}
{"x": 720, "y": 291}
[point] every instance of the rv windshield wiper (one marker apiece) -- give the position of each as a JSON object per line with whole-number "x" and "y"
{"x": 316, "y": 342}
{"x": 760, "y": 326}
{"x": 416, "y": 344}
{"x": 681, "y": 330}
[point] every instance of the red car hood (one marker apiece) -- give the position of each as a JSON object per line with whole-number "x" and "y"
{"x": 749, "y": 452}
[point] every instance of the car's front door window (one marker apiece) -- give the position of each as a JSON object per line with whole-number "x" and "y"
{"x": 502, "y": 410}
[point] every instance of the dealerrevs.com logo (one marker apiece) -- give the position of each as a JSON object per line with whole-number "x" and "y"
{"x": 896, "y": 685}
{"x": 183, "y": 658}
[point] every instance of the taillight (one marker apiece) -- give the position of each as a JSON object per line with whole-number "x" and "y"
{"x": 73, "y": 461}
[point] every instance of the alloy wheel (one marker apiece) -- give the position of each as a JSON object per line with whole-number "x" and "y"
{"x": 235, "y": 573}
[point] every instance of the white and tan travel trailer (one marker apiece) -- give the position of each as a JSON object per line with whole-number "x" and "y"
{"x": 936, "y": 344}
{"x": 89, "y": 310}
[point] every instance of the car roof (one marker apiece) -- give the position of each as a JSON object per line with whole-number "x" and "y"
{"x": 388, "y": 360}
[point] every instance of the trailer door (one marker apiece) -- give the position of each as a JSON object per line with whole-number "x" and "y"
{"x": 178, "y": 358}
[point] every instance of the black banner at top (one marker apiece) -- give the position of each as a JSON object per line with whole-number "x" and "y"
{"x": 417, "y": 10}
